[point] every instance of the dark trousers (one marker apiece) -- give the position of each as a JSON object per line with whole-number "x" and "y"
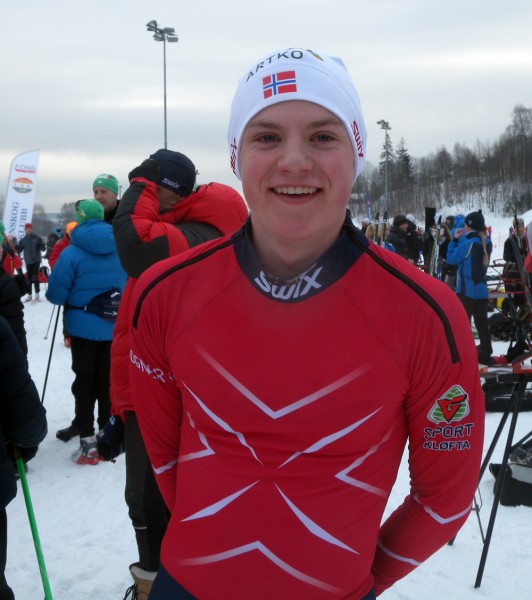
{"x": 147, "y": 509}
{"x": 65, "y": 330}
{"x": 478, "y": 309}
{"x": 33, "y": 277}
{"x": 91, "y": 363}
{"x": 6, "y": 593}
{"x": 165, "y": 587}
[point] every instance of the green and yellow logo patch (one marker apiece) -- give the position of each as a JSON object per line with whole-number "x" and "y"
{"x": 452, "y": 406}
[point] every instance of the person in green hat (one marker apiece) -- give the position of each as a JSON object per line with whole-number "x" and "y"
{"x": 105, "y": 189}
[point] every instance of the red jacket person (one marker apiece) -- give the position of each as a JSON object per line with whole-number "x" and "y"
{"x": 254, "y": 362}
{"x": 160, "y": 215}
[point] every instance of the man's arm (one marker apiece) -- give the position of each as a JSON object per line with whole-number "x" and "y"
{"x": 22, "y": 414}
{"x": 141, "y": 239}
{"x": 455, "y": 250}
{"x": 156, "y": 397}
{"x": 61, "y": 279}
{"x": 445, "y": 417}
{"x": 198, "y": 233}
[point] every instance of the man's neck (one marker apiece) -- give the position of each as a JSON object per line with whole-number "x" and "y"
{"x": 288, "y": 259}
{"x": 289, "y": 256}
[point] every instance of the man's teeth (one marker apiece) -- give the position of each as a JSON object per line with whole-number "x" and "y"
{"x": 296, "y": 190}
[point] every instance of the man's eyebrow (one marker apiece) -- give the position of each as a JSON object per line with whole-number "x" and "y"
{"x": 263, "y": 124}
{"x": 313, "y": 125}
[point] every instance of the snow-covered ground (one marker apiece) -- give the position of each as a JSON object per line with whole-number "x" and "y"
{"x": 88, "y": 541}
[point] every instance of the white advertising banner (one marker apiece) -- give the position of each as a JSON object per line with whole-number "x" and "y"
{"x": 20, "y": 194}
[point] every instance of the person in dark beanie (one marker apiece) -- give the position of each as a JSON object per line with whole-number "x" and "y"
{"x": 161, "y": 214}
{"x": 414, "y": 241}
{"x": 32, "y": 246}
{"x": 85, "y": 271}
{"x": 398, "y": 235}
{"x": 470, "y": 249}
{"x": 22, "y": 428}
{"x": 105, "y": 189}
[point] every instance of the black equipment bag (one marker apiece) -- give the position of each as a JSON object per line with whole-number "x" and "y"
{"x": 517, "y": 479}
{"x": 497, "y": 394}
{"x": 501, "y": 326}
{"x": 105, "y": 305}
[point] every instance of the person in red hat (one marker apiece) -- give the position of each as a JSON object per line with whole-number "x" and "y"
{"x": 32, "y": 246}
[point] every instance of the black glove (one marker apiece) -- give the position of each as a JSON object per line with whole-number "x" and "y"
{"x": 149, "y": 169}
{"x": 110, "y": 440}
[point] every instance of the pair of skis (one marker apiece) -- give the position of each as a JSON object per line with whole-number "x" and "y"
{"x": 379, "y": 229}
{"x": 434, "y": 269}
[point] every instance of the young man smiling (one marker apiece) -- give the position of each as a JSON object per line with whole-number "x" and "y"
{"x": 253, "y": 368}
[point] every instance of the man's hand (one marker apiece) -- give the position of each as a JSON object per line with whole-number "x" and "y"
{"x": 148, "y": 169}
{"x": 110, "y": 442}
{"x": 15, "y": 452}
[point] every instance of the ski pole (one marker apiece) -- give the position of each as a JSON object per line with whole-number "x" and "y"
{"x": 33, "y": 526}
{"x": 50, "y": 356}
{"x": 50, "y": 322}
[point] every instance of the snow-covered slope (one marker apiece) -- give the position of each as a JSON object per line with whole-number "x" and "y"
{"x": 88, "y": 541}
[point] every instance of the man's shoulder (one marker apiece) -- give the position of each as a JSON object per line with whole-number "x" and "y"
{"x": 199, "y": 271}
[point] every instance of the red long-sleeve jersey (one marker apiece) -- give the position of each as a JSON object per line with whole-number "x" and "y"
{"x": 275, "y": 418}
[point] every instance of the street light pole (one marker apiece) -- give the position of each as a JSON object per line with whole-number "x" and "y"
{"x": 386, "y": 126}
{"x": 166, "y": 34}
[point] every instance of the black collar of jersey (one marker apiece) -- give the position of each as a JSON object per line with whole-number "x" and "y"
{"x": 328, "y": 269}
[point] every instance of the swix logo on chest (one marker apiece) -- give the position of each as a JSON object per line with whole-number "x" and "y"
{"x": 304, "y": 286}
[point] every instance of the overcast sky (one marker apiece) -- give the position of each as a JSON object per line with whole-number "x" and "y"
{"x": 83, "y": 80}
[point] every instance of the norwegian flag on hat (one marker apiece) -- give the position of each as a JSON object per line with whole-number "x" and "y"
{"x": 279, "y": 83}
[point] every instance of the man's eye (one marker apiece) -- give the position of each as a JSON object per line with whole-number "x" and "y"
{"x": 267, "y": 137}
{"x": 323, "y": 137}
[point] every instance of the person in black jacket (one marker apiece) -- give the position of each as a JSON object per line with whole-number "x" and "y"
{"x": 398, "y": 235}
{"x": 22, "y": 427}
{"x": 511, "y": 274}
{"x": 414, "y": 241}
{"x": 11, "y": 307}
{"x": 53, "y": 237}
{"x": 32, "y": 246}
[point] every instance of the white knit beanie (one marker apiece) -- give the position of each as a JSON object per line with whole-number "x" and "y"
{"x": 298, "y": 74}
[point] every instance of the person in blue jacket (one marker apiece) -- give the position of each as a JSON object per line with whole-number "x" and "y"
{"x": 88, "y": 280}
{"x": 470, "y": 249}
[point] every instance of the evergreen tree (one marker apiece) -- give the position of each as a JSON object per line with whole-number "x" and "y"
{"x": 404, "y": 169}
{"x": 67, "y": 214}
{"x": 386, "y": 168}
